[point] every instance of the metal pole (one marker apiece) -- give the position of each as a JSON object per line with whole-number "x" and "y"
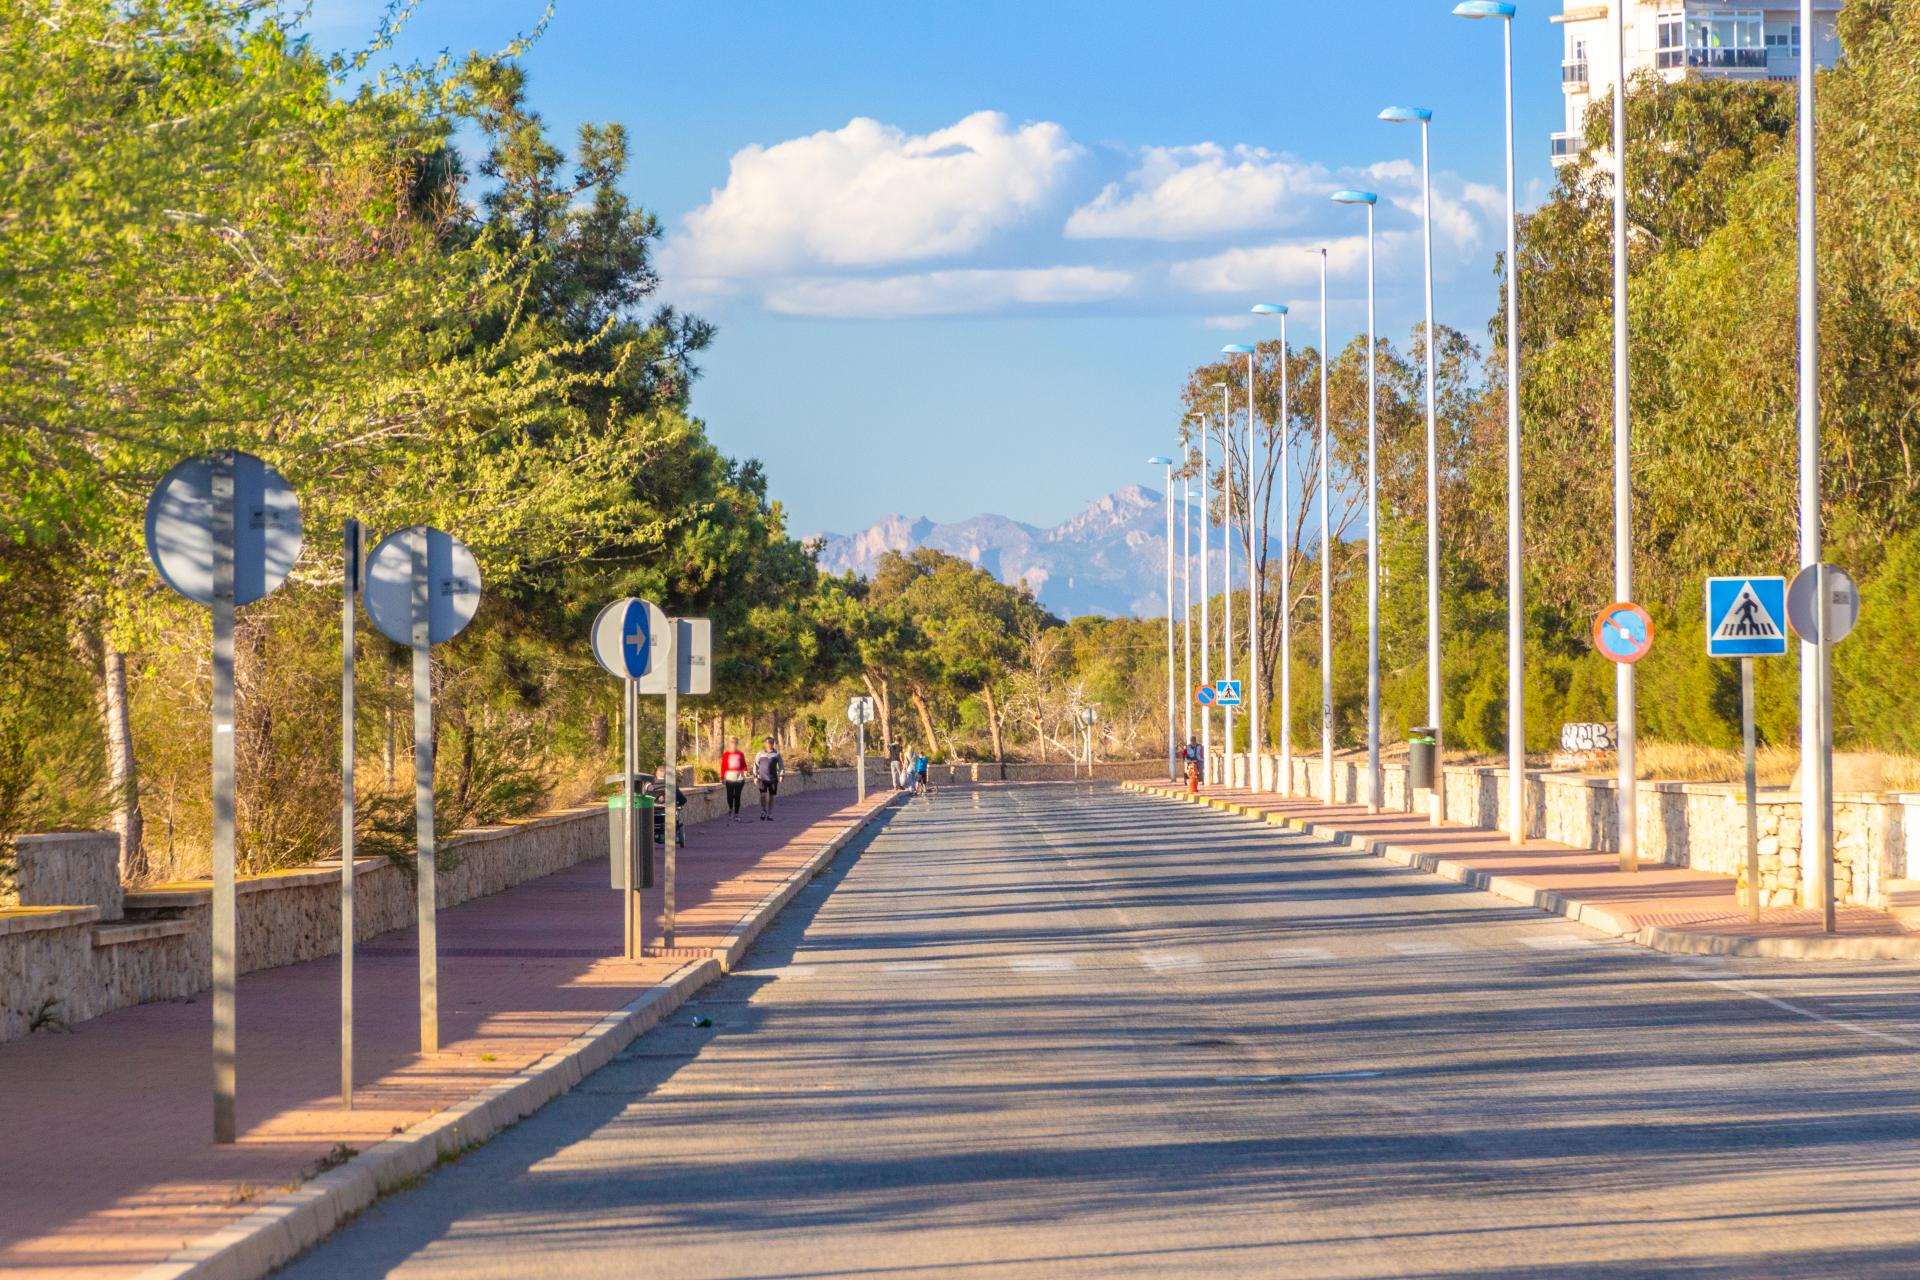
{"x": 1627, "y": 807}
{"x": 1825, "y": 617}
{"x": 1437, "y": 801}
{"x": 672, "y": 790}
{"x": 1172, "y": 706}
{"x": 350, "y": 579}
{"x": 1206, "y": 603}
{"x": 1753, "y": 812}
{"x": 1284, "y": 437}
{"x": 424, "y": 841}
{"x": 1375, "y": 799}
{"x": 634, "y": 915}
{"x": 1812, "y": 798}
{"x": 1516, "y": 618}
{"x": 225, "y": 955}
{"x": 860, "y": 768}
{"x": 1255, "y": 518}
{"x": 1227, "y": 752}
{"x": 1326, "y": 553}
{"x": 1186, "y": 591}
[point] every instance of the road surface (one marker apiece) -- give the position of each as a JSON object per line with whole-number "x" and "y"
{"x": 1063, "y": 1031}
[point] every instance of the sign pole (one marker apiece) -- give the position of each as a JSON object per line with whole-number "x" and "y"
{"x": 1825, "y": 618}
{"x": 1753, "y": 820}
{"x": 630, "y": 892}
{"x": 861, "y": 767}
{"x": 225, "y": 960}
{"x": 351, "y": 537}
{"x": 427, "y": 886}
{"x": 670, "y": 796}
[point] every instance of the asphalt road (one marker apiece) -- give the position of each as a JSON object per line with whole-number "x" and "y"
{"x": 1070, "y": 1031}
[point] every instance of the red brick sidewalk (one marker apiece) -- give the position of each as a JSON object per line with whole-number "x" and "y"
{"x": 106, "y": 1163}
{"x": 1675, "y": 908}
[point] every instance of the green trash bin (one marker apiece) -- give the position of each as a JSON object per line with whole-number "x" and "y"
{"x": 1422, "y": 762}
{"x": 617, "y": 835}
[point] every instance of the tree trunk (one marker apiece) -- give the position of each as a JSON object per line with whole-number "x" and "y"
{"x": 881, "y": 693}
{"x": 993, "y": 729}
{"x": 926, "y": 720}
{"x": 108, "y": 668}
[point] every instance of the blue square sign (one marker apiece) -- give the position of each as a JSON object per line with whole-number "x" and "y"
{"x": 1226, "y": 693}
{"x": 1746, "y": 617}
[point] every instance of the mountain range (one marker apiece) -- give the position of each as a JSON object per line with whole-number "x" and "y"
{"x": 1110, "y": 559}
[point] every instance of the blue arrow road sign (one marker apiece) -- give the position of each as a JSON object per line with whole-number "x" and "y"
{"x": 1746, "y": 617}
{"x": 636, "y": 644}
{"x": 1226, "y": 693}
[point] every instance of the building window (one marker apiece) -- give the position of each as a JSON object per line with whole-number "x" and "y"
{"x": 1726, "y": 41}
{"x": 1671, "y": 51}
{"x": 1785, "y": 41}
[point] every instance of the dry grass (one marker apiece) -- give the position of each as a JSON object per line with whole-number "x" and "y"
{"x": 1774, "y": 766}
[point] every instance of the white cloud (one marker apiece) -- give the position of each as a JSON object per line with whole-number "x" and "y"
{"x": 1286, "y": 264}
{"x": 1189, "y": 193}
{"x": 870, "y": 195}
{"x": 946, "y": 293}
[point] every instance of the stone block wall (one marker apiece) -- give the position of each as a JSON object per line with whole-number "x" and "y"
{"x": 66, "y": 869}
{"x": 1688, "y": 824}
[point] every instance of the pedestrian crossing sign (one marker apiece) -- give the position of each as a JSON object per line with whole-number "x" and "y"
{"x": 1226, "y": 693}
{"x": 1746, "y": 617}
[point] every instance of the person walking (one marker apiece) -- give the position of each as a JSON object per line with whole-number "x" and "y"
{"x": 768, "y": 767}
{"x": 893, "y": 764}
{"x": 733, "y": 773}
{"x": 920, "y": 763}
{"x": 1192, "y": 756}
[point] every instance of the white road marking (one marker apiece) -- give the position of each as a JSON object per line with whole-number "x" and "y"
{"x": 1559, "y": 943}
{"x": 1425, "y": 948}
{"x": 782, "y": 971}
{"x": 1300, "y": 955}
{"x": 1169, "y": 959}
{"x": 1903, "y": 1041}
{"x": 1042, "y": 964}
{"x": 913, "y": 966}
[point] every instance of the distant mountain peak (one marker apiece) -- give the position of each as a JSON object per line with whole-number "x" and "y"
{"x": 1109, "y": 559}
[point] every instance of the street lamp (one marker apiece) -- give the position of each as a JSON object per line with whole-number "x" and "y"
{"x": 1186, "y": 582}
{"x": 1226, "y": 569}
{"x": 1374, "y": 798}
{"x": 1281, "y": 436}
{"x": 1168, "y": 464}
{"x": 1627, "y": 807}
{"x": 1253, "y": 580}
{"x": 1206, "y": 610}
{"x": 1437, "y": 802}
{"x": 1326, "y": 552}
{"x": 1516, "y": 619}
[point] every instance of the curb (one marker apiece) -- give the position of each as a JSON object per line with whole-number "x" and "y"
{"x": 1664, "y": 938}
{"x": 276, "y": 1233}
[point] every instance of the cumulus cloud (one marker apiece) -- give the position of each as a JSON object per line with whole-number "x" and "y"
{"x": 870, "y": 194}
{"x": 1195, "y": 192}
{"x": 946, "y": 293}
{"x": 1283, "y": 265}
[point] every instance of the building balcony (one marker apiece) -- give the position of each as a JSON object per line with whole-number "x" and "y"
{"x": 1573, "y": 76}
{"x": 1566, "y": 146}
{"x": 1727, "y": 59}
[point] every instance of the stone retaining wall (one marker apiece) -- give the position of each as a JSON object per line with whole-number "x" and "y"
{"x": 1687, "y": 824}
{"x": 74, "y": 961}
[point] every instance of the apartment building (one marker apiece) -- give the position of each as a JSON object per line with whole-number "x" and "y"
{"x": 1726, "y": 39}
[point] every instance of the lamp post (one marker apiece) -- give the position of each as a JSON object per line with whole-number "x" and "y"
{"x": 1186, "y": 583}
{"x": 1516, "y": 618}
{"x": 1816, "y": 733}
{"x": 1168, "y": 464}
{"x": 1226, "y": 570}
{"x": 1369, "y": 199}
{"x": 1326, "y": 552}
{"x": 1282, "y": 434}
{"x": 1253, "y": 579}
{"x": 1206, "y": 610}
{"x": 1625, "y": 713}
{"x": 1437, "y": 801}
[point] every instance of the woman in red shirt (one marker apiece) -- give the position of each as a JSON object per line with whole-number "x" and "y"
{"x": 733, "y": 772}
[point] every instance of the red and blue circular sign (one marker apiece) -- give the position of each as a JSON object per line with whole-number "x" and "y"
{"x": 1204, "y": 695}
{"x": 1623, "y": 633}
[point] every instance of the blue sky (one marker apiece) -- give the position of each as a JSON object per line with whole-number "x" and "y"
{"x": 961, "y": 255}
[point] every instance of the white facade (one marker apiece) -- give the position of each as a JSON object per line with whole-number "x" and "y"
{"x": 1725, "y": 39}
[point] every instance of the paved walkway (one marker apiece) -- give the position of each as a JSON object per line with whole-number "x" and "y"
{"x": 106, "y": 1164}
{"x": 1675, "y": 908}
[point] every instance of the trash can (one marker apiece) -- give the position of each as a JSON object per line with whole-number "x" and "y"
{"x": 1422, "y": 752}
{"x": 643, "y": 843}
